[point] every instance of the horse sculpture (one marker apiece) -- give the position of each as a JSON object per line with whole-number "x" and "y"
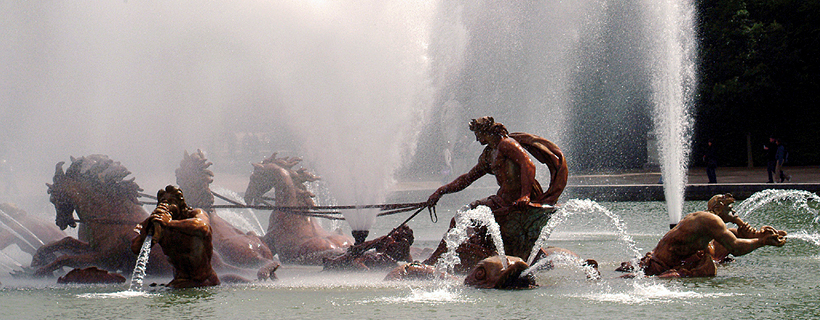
{"x": 295, "y": 238}
{"x": 234, "y": 246}
{"x": 108, "y": 210}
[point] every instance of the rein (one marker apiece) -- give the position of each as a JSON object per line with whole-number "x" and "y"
{"x": 107, "y": 221}
{"x": 324, "y": 212}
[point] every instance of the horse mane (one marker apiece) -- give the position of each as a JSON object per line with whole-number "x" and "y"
{"x": 194, "y": 178}
{"x": 105, "y": 174}
{"x": 270, "y": 173}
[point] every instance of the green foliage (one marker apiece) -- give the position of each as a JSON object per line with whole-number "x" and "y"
{"x": 758, "y": 75}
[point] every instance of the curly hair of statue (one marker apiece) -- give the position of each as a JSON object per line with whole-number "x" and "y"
{"x": 488, "y": 125}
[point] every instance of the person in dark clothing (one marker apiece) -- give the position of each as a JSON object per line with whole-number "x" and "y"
{"x": 780, "y": 159}
{"x": 771, "y": 157}
{"x": 711, "y": 162}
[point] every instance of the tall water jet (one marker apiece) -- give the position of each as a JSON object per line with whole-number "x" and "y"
{"x": 355, "y": 94}
{"x": 673, "y": 83}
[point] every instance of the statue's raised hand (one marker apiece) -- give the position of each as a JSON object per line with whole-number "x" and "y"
{"x": 162, "y": 214}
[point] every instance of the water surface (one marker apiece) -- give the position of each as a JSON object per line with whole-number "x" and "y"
{"x": 768, "y": 283}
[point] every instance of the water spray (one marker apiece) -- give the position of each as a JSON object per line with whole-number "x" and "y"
{"x": 142, "y": 260}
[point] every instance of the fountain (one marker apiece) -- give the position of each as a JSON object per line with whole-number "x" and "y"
{"x": 244, "y": 219}
{"x": 562, "y": 258}
{"x": 24, "y": 244}
{"x": 347, "y": 85}
{"x": 7, "y": 221}
{"x": 673, "y": 87}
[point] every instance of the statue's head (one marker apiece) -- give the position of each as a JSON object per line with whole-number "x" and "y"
{"x": 172, "y": 196}
{"x": 399, "y": 248}
{"x": 488, "y": 125}
{"x": 721, "y": 204}
{"x": 490, "y": 273}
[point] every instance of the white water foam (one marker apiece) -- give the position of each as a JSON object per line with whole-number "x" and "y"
{"x": 423, "y": 295}
{"x": 114, "y": 295}
{"x": 649, "y": 292}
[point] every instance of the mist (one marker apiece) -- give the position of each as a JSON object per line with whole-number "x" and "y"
{"x": 359, "y": 89}
{"x": 337, "y": 83}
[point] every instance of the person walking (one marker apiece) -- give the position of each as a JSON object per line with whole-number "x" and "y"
{"x": 780, "y": 157}
{"x": 771, "y": 157}
{"x": 710, "y": 159}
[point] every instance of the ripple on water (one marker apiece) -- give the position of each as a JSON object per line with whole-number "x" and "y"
{"x": 427, "y": 296}
{"x": 643, "y": 292}
{"x": 114, "y": 295}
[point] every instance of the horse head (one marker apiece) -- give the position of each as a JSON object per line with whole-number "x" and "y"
{"x": 61, "y": 199}
{"x": 259, "y": 183}
{"x": 85, "y": 179}
{"x": 278, "y": 173}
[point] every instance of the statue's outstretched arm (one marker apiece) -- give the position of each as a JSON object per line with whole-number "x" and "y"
{"x": 463, "y": 181}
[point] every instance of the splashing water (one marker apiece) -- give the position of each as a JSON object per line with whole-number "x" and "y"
{"x": 799, "y": 200}
{"x": 801, "y": 207}
{"x": 645, "y": 291}
{"x": 244, "y": 219}
{"x": 142, "y": 262}
{"x": 805, "y": 236}
{"x": 465, "y": 218}
{"x": 432, "y": 296}
{"x": 575, "y": 206}
{"x": 563, "y": 259}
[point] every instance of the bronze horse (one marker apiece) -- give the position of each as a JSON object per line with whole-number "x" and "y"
{"x": 295, "y": 238}
{"x": 108, "y": 210}
{"x": 234, "y": 246}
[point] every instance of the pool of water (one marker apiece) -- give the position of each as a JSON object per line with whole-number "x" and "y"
{"x": 768, "y": 283}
